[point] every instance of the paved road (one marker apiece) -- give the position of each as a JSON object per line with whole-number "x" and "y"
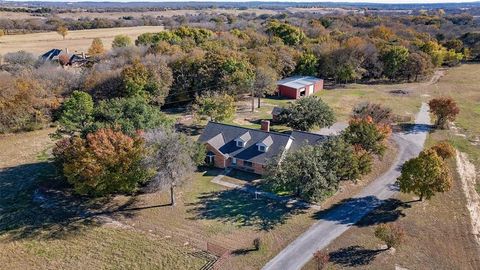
{"x": 338, "y": 220}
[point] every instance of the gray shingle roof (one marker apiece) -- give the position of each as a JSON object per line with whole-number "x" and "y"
{"x": 250, "y": 152}
{"x": 304, "y": 138}
{"x": 297, "y": 82}
{"x": 223, "y": 136}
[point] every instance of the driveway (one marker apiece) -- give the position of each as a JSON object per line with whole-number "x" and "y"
{"x": 339, "y": 219}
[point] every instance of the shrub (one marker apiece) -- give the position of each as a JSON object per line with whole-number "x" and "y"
{"x": 105, "y": 162}
{"x": 379, "y": 113}
{"x": 391, "y": 234}
{"x": 444, "y": 150}
{"x": 321, "y": 258}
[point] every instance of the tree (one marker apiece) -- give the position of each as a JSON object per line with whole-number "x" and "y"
{"x": 394, "y": 58}
{"x": 128, "y": 115}
{"x": 425, "y": 175}
{"x": 265, "y": 82}
{"x": 418, "y": 64}
{"x": 307, "y": 65}
{"x": 444, "y": 150}
{"x": 380, "y": 114}
{"x": 367, "y": 135}
{"x": 62, "y": 31}
{"x": 121, "y": 41}
{"x": 290, "y": 35}
{"x": 322, "y": 259}
{"x": 105, "y": 162}
{"x": 214, "y": 107}
{"x": 314, "y": 172}
{"x": 76, "y": 113}
{"x": 445, "y": 109}
{"x": 135, "y": 78}
{"x": 96, "y": 48}
{"x": 150, "y": 80}
{"x": 306, "y": 113}
{"x": 391, "y": 234}
{"x": 172, "y": 157}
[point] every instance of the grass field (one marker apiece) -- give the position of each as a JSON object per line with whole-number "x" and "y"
{"x": 437, "y": 231}
{"x": 75, "y": 41}
{"x": 116, "y": 15}
{"x": 35, "y": 234}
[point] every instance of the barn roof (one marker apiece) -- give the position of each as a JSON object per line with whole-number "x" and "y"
{"x": 297, "y": 82}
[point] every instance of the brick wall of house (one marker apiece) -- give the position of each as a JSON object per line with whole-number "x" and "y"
{"x": 219, "y": 159}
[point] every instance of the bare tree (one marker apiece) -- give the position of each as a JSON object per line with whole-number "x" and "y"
{"x": 171, "y": 157}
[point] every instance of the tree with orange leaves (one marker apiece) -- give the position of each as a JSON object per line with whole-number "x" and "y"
{"x": 445, "y": 109}
{"x": 103, "y": 163}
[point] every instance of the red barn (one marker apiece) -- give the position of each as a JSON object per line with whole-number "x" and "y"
{"x": 299, "y": 86}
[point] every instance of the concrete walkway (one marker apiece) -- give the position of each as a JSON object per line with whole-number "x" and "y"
{"x": 338, "y": 220}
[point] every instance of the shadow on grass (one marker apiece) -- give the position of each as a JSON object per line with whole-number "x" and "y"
{"x": 30, "y": 209}
{"x": 243, "y": 251}
{"x": 243, "y": 209}
{"x": 364, "y": 211}
{"x": 190, "y": 130}
{"x": 353, "y": 256}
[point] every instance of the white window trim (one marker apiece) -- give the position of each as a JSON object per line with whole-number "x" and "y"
{"x": 240, "y": 143}
{"x": 260, "y": 146}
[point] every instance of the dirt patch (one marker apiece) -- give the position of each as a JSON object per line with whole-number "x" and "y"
{"x": 467, "y": 173}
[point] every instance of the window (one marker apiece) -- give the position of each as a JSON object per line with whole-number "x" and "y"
{"x": 209, "y": 159}
{"x": 262, "y": 148}
{"x": 239, "y": 144}
{"x": 234, "y": 161}
{"x": 247, "y": 163}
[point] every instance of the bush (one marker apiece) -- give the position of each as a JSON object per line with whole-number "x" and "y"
{"x": 391, "y": 234}
{"x": 379, "y": 113}
{"x": 105, "y": 162}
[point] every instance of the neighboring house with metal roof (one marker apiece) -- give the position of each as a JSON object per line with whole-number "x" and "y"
{"x": 299, "y": 86}
{"x": 248, "y": 149}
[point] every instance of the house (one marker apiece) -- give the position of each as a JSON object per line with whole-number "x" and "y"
{"x": 249, "y": 149}
{"x": 299, "y": 86}
{"x": 75, "y": 59}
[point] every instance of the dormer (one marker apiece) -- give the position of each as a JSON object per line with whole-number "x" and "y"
{"x": 264, "y": 144}
{"x": 243, "y": 139}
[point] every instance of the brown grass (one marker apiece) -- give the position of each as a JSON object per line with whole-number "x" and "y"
{"x": 75, "y": 41}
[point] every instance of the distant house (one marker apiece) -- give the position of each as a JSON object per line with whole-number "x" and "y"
{"x": 248, "y": 149}
{"x": 299, "y": 86}
{"x": 75, "y": 59}
{"x": 51, "y": 55}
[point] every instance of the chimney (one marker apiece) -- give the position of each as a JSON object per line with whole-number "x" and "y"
{"x": 66, "y": 51}
{"x": 265, "y": 125}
